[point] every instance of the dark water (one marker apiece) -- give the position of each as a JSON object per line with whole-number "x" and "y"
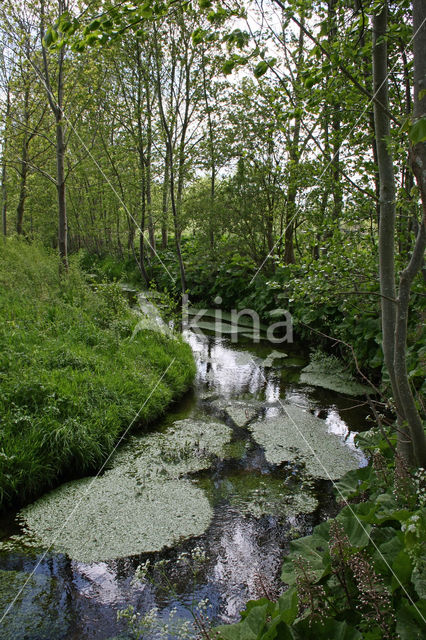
{"x": 58, "y": 598}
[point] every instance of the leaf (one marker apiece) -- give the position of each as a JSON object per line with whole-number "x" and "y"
{"x": 318, "y": 630}
{"x": 260, "y": 69}
{"x": 417, "y": 131}
{"x": 309, "y": 82}
{"x": 288, "y": 605}
{"x": 402, "y": 569}
{"x": 418, "y": 578}
{"x": 198, "y": 36}
{"x": 146, "y": 11}
{"x": 357, "y": 531}
{"x": 410, "y": 620}
{"x": 249, "y": 629}
{"x": 353, "y": 482}
{"x": 228, "y": 66}
{"x": 312, "y": 548}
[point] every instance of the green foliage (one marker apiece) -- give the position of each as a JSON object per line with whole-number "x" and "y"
{"x": 358, "y": 575}
{"x": 417, "y": 131}
{"x": 72, "y": 376}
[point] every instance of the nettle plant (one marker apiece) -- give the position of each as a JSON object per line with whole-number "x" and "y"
{"x": 358, "y": 575}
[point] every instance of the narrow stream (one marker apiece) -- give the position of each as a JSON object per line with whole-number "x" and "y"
{"x": 256, "y": 504}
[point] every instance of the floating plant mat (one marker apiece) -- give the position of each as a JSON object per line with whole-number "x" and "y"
{"x": 298, "y": 436}
{"x": 252, "y": 494}
{"x": 240, "y": 411}
{"x": 329, "y": 373}
{"x": 142, "y": 504}
{"x": 188, "y": 446}
{"x": 113, "y": 516}
{"x": 275, "y": 359}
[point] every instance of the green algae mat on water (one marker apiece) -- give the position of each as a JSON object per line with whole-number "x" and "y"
{"x": 298, "y": 436}
{"x": 94, "y": 520}
{"x": 141, "y": 505}
{"x": 329, "y": 373}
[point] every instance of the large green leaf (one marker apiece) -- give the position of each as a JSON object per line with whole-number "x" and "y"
{"x": 250, "y": 628}
{"x": 288, "y": 605}
{"x": 357, "y": 531}
{"x": 328, "y": 630}
{"x": 313, "y": 549}
{"x": 417, "y": 131}
{"x": 353, "y": 482}
{"x": 411, "y": 620}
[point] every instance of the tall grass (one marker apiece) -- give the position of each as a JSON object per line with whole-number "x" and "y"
{"x": 71, "y": 377}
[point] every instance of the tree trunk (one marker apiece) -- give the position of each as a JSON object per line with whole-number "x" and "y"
{"x": 60, "y": 185}
{"x": 387, "y": 218}
{"x": 165, "y": 203}
{"x": 407, "y": 276}
{"x": 4, "y": 167}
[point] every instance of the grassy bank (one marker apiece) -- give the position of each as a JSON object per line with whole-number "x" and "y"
{"x": 72, "y": 377}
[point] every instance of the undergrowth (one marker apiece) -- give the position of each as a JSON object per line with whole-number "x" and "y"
{"x": 73, "y": 374}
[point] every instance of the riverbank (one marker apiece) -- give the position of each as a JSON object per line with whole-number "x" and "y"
{"x": 73, "y": 372}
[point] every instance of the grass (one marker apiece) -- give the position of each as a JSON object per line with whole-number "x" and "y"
{"x": 71, "y": 376}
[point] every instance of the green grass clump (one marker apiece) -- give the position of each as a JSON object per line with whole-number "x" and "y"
{"x": 72, "y": 377}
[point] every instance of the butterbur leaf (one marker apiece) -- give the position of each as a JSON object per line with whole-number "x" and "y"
{"x": 325, "y": 630}
{"x": 313, "y": 549}
{"x": 417, "y": 131}
{"x": 410, "y": 620}
{"x": 250, "y": 628}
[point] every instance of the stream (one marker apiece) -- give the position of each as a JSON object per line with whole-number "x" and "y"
{"x": 234, "y": 486}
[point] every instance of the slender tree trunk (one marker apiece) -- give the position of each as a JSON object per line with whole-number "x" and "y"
{"x": 4, "y": 167}
{"x": 22, "y": 189}
{"x": 169, "y": 143}
{"x": 212, "y": 156}
{"x": 62, "y": 205}
{"x": 57, "y": 109}
{"x": 335, "y": 125}
{"x": 387, "y": 219}
{"x": 294, "y": 161}
{"x": 165, "y": 203}
{"x": 418, "y": 155}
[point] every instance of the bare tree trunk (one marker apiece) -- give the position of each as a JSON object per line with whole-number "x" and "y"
{"x": 411, "y": 413}
{"x": 165, "y": 204}
{"x": 4, "y": 167}
{"x": 57, "y": 109}
{"x": 387, "y": 219}
{"x": 294, "y": 160}
{"x": 23, "y": 172}
{"x": 60, "y": 178}
{"x": 169, "y": 145}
